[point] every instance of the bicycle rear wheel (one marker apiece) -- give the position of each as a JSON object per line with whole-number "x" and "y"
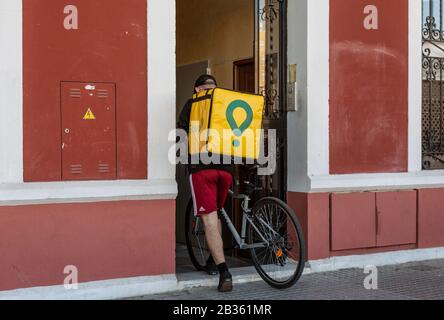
{"x": 282, "y": 261}
{"x": 195, "y": 239}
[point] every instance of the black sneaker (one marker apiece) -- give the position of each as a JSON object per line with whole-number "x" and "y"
{"x": 225, "y": 282}
{"x": 211, "y": 268}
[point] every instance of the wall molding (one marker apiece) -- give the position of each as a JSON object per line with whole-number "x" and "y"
{"x": 375, "y": 182}
{"x": 85, "y": 191}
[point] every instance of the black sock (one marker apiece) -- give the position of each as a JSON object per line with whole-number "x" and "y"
{"x": 222, "y": 268}
{"x": 210, "y": 260}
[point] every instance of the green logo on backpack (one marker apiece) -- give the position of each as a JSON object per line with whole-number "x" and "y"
{"x": 238, "y": 130}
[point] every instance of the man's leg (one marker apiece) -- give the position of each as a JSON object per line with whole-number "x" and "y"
{"x": 215, "y": 243}
{"x": 204, "y": 186}
{"x": 213, "y": 234}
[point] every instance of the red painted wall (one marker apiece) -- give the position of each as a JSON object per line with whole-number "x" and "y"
{"x": 109, "y": 46}
{"x": 397, "y": 218}
{"x": 106, "y": 240}
{"x": 353, "y": 221}
{"x": 313, "y": 212}
{"x": 368, "y": 88}
{"x": 341, "y": 224}
{"x": 431, "y": 218}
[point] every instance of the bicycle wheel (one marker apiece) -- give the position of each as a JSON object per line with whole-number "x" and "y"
{"x": 282, "y": 261}
{"x": 195, "y": 239}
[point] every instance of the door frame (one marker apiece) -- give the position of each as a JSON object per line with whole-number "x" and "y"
{"x": 283, "y": 85}
{"x": 283, "y": 88}
{"x": 236, "y": 65}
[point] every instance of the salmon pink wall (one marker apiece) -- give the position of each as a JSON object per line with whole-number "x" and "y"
{"x": 107, "y": 240}
{"x": 313, "y": 212}
{"x": 368, "y": 87}
{"x": 340, "y": 224}
{"x": 431, "y": 218}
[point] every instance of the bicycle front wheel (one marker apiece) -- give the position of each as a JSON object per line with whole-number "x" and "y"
{"x": 279, "y": 256}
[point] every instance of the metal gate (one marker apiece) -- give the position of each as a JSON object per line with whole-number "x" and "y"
{"x": 433, "y": 89}
{"x": 271, "y": 81}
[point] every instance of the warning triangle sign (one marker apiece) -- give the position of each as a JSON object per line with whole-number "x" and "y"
{"x": 89, "y": 115}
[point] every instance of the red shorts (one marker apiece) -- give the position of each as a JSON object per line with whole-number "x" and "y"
{"x": 210, "y": 190}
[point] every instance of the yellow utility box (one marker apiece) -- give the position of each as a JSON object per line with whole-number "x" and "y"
{"x": 226, "y": 122}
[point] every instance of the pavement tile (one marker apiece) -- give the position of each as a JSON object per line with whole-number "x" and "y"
{"x": 412, "y": 281}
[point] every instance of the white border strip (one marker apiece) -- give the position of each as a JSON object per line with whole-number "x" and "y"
{"x": 377, "y": 260}
{"x": 415, "y": 86}
{"x": 161, "y": 86}
{"x": 98, "y": 290}
{"x": 383, "y": 181}
{"x": 318, "y": 87}
{"x": 11, "y": 92}
{"x": 89, "y": 190}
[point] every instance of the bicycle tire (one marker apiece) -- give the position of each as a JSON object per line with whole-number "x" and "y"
{"x": 291, "y": 217}
{"x": 197, "y": 261}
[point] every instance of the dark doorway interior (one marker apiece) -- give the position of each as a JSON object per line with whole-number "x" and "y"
{"x": 245, "y": 29}
{"x": 204, "y": 46}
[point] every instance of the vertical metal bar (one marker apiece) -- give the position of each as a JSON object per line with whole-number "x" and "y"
{"x": 430, "y": 17}
{"x": 430, "y": 105}
{"x": 431, "y": 8}
{"x": 440, "y": 83}
{"x": 440, "y": 19}
{"x": 244, "y": 228}
{"x": 257, "y": 55}
{"x": 430, "y": 76}
{"x": 283, "y": 79}
{"x": 440, "y": 109}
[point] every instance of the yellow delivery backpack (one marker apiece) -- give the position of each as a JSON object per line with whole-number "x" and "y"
{"x": 227, "y": 123}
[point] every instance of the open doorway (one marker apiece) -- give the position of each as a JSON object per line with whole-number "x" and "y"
{"x": 240, "y": 43}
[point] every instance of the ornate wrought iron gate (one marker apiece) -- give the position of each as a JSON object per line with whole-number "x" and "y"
{"x": 271, "y": 71}
{"x": 433, "y": 85}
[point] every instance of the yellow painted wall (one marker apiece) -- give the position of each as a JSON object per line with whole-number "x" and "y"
{"x": 220, "y": 31}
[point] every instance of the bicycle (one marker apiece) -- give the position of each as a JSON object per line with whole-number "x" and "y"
{"x": 275, "y": 240}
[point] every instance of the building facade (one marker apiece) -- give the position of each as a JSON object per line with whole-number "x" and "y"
{"x": 364, "y": 186}
{"x": 88, "y": 101}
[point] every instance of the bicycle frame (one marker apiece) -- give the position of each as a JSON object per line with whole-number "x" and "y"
{"x": 241, "y": 238}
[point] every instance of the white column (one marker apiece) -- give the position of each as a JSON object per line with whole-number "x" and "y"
{"x": 161, "y": 86}
{"x": 415, "y": 85}
{"x": 11, "y": 92}
{"x": 318, "y": 87}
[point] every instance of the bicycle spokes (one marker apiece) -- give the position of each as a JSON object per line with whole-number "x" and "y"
{"x": 280, "y": 260}
{"x": 198, "y": 241}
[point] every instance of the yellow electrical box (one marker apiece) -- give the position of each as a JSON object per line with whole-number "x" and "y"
{"x": 227, "y": 123}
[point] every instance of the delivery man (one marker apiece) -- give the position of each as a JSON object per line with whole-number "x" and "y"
{"x": 209, "y": 186}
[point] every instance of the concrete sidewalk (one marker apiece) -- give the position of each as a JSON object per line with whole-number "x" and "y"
{"x": 419, "y": 280}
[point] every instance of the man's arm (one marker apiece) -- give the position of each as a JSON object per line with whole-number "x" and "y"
{"x": 184, "y": 118}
